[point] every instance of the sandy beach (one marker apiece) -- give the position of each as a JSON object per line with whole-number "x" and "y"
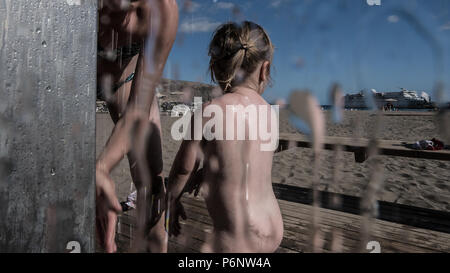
{"x": 417, "y": 182}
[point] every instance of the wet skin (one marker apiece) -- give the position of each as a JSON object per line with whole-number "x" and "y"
{"x": 133, "y": 108}
{"x": 240, "y": 199}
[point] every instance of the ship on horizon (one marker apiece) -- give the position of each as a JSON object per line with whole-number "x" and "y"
{"x": 404, "y": 99}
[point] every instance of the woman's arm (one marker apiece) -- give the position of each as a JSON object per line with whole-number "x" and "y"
{"x": 162, "y": 33}
{"x": 164, "y": 23}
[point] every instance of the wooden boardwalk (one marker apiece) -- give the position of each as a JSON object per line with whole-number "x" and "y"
{"x": 393, "y": 237}
{"x": 360, "y": 146}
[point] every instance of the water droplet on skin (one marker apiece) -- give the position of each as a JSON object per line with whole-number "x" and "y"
{"x": 52, "y": 172}
{"x": 48, "y": 89}
{"x": 44, "y": 44}
{"x": 38, "y": 30}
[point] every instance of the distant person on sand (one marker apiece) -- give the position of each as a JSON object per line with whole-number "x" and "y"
{"x": 127, "y": 53}
{"x": 236, "y": 174}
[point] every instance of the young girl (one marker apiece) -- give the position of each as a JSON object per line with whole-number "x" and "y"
{"x": 236, "y": 175}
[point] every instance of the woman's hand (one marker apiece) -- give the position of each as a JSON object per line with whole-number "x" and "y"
{"x": 107, "y": 204}
{"x": 107, "y": 208}
{"x": 194, "y": 183}
{"x": 176, "y": 211}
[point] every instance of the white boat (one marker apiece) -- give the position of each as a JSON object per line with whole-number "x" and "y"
{"x": 404, "y": 99}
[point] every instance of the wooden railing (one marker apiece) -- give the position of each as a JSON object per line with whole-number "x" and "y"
{"x": 360, "y": 147}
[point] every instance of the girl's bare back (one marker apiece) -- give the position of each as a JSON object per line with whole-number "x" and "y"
{"x": 237, "y": 167}
{"x": 238, "y": 187}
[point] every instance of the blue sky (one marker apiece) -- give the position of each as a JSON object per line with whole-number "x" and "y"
{"x": 400, "y": 43}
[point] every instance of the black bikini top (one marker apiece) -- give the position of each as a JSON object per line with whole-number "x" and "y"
{"x": 125, "y": 52}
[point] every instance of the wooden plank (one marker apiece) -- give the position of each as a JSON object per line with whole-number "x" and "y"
{"x": 389, "y": 234}
{"x": 359, "y": 146}
{"x": 410, "y": 113}
{"x": 392, "y": 212}
{"x": 299, "y": 215}
{"x": 296, "y": 218}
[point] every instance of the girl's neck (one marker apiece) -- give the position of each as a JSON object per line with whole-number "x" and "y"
{"x": 244, "y": 90}
{"x": 249, "y": 84}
